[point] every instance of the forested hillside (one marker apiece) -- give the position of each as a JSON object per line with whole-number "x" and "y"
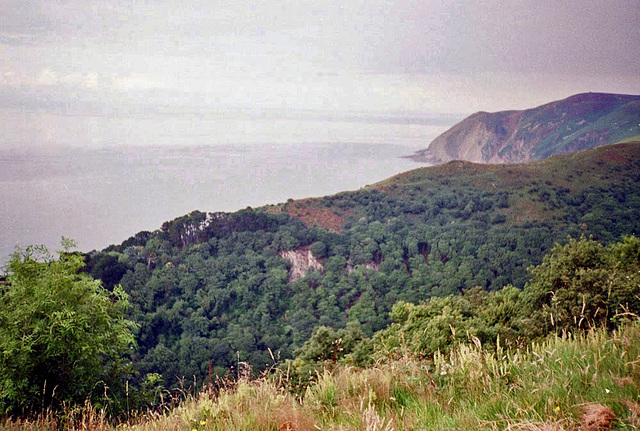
{"x": 212, "y": 290}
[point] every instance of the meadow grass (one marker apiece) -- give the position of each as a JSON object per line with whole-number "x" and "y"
{"x": 585, "y": 382}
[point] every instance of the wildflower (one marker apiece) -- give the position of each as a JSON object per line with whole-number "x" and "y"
{"x": 557, "y": 409}
{"x": 607, "y": 390}
{"x": 203, "y": 423}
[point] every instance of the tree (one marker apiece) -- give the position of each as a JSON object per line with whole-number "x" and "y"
{"x": 326, "y": 344}
{"x": 423, "y": 329}
{"x": 583, "y": 284}
{"x": 62, "y": 335}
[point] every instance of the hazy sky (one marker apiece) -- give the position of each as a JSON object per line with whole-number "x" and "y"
{"x": 347, "y": 55}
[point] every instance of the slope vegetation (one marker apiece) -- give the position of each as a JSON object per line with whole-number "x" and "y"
{"x": 587, "y": 383}
{"x": 212, "y": 290}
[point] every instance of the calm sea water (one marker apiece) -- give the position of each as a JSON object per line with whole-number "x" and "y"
{"x": 100, "y": 180}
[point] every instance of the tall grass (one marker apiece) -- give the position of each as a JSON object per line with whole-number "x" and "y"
{"x": 587, "y": 382}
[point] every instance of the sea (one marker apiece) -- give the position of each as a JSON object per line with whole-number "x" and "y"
{"x": 100, "y": 179}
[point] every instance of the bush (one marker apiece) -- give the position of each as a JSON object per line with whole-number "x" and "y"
{"x": 62, "y": 335}
{"x": 582, "y": 285}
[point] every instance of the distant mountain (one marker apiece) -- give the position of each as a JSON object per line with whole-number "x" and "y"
{"x": 577, "y": 123}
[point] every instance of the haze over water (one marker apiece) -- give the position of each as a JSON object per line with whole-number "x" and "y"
{"x": 101, "y": 179}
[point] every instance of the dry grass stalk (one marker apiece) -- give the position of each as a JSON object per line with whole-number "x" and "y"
{"x": 373, "y": 422}
{"x": 78, "y": 419}
{"x": 634, "y": 418}
{"x": 44, "y": 423}
{"x": 536, "y": 426}
{"x": 290, "y": 417}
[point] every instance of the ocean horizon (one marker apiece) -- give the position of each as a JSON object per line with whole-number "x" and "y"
{"x": 101, "y": 179}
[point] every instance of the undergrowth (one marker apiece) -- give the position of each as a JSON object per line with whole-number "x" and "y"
{"x": 584, "y": 382}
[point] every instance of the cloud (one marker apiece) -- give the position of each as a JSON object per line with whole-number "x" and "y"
{"x": 48, "y": 77}
{"x": 135, "y": 81}
{"x": 354, "y": 54}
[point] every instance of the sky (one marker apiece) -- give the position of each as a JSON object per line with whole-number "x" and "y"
{"x": 383, "y": 56}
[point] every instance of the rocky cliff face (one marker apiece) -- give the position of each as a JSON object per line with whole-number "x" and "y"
{"x": 573, "y": 124}
{"x": 302, "y": 261}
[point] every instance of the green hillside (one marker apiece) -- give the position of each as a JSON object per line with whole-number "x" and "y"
{"x": 564, "y": 383}
{"x": 449, "y": 297}
{"x": 212, "y": 290}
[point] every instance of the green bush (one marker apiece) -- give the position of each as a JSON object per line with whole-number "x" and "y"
{"x": 62, "y": 335}
{"x": 583, "y": 285}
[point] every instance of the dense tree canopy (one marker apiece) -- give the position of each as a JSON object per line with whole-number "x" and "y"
{"x": 211, "y": 289}
{"x": 584, "y": 284}
{"x": 580, "y": 285}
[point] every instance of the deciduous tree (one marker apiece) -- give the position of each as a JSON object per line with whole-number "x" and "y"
{"x": 62, "y": 335}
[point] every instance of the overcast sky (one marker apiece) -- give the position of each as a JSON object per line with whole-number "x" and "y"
{"x": 347, "y": 55}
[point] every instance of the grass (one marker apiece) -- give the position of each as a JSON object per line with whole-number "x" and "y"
{"x": 584, "y": 382}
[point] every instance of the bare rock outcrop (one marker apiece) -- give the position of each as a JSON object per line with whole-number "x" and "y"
{"x": 302, "y": 261}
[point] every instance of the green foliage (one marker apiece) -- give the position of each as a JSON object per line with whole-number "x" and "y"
{"x": 327, "y": 344}
{"x": 584, "y": 284}
{"x": 62, "y": 336}
{"x": 578, "y": 286}
{"x": 433, "y": 326}
{"x": 626, "y": 253}
{"x": 440, "y": 324}
{"x": 319, "y": 249}
{"x": 209, "y": 290}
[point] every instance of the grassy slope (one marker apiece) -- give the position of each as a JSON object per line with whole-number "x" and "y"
{"x": 590, "y": 381}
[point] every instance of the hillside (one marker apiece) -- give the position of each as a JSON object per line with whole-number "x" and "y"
{"x": 579, "y": 122}
{"x": 210, "y": 290}
{"x": 584, "y": 383}
{"x": 447, "y": 285}
{"x": 527, "y": 193}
